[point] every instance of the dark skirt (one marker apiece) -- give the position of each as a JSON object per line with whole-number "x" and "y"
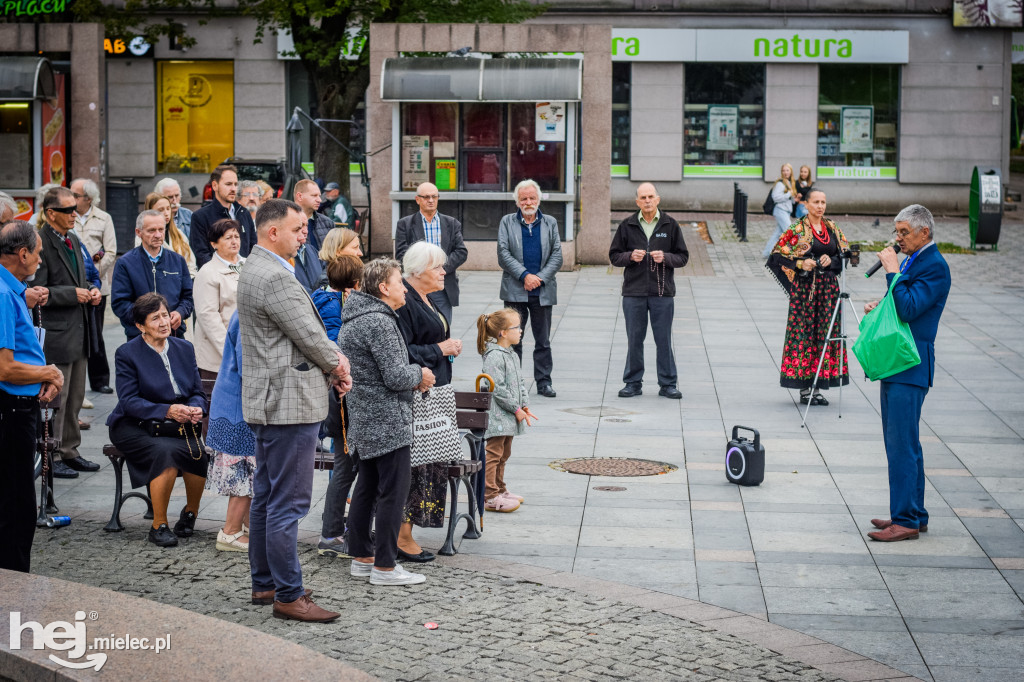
{"x": 806, "y": 331}
{"x": 428, "y": 491}
{"x": 147, "y": 456}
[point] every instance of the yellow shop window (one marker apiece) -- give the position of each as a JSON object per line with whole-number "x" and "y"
{"x": 196, "y": 115}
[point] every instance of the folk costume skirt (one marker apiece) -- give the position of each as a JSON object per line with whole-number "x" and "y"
{"x": 811, "y": 303}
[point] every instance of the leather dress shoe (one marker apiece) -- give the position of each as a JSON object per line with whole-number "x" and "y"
{"x": 303, "y": 609}
{"x": 186, "y": 524}
{"x": 84, "y": 425}
{"x": 894, "y": 533}
{"x": 423, "y": 557}
{"x": 670, "y": 392}
{"x": 105, "y": 390}
{"x": 546, "y": 391}
{"x": 267, "y": 598}
{"x": 62, "y": 470}
{"x": 882, "y": 524}
{"x": 82, "y": 464}
{"x": 630, "y": 391}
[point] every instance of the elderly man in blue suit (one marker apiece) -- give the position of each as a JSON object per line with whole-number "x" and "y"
{"x": 920, "y": 295}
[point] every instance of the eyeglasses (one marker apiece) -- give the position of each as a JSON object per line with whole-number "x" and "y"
{"x": 80, "y": 196}
{"x": 66, "y": 210}
{"x": 515, "y": 327}
{"x": 429, "y": 197}
{"x": 901, "y": 233}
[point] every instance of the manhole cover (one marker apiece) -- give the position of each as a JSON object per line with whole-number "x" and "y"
{"x": 616, "y": 419}
{"x": 612, "y": 466}
{"x": 598, "y": 411}
{"x": 609, "y": 488}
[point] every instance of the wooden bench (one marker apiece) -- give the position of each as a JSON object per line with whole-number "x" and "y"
{"x": 471, "y": 414}
{"x": 116, "y": 458}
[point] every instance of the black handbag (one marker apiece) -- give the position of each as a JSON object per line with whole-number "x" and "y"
{"x": 189, "y": 432}
{"x": 769, "y": 203}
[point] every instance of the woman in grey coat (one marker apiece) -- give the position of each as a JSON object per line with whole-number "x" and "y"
{"x": 380, "y": 415}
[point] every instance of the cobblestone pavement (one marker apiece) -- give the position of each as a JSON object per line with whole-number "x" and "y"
{"x": 489, "y": 627}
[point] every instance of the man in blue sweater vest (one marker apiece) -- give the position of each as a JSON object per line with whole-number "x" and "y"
{"x": 920, "y": 295}
{"x": 530, "y": 255}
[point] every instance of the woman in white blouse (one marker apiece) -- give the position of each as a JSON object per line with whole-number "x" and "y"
{"x": 215, "y": 292}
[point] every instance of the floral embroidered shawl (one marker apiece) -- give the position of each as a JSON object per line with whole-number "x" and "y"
{"x": 794, "y": 243}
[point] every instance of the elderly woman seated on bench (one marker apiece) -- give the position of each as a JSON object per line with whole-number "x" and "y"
{"x": 157, "y": 421}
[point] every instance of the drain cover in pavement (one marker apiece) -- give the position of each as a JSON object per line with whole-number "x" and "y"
{"x": 612, "y": 466}
{"x": 609, "y": 488}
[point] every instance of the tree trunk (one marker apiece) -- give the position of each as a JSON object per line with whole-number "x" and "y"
{"x": 338, "y": 96}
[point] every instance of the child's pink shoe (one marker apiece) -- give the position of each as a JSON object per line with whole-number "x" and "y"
{"x": 501, "y": 504}
{"x": 511, "y": 496}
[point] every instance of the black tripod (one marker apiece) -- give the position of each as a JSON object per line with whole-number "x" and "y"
{"x": 853, "y": 255}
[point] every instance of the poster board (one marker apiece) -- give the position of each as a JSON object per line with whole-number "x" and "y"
{"x": 415, "y": 157}
{"x": 856, "y": 130}
{"x": 446, "y": 174}
{"x": 54, "y": 136}
{"x": 723, "y": 123}
{"x": 549, "y": 122}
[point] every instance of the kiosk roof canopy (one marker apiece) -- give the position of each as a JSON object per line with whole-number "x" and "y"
{"x": 469, "y": 79}
{"x": 24, "y": 78}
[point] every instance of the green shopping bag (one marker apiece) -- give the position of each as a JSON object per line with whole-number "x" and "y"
{"x": 885, "y": 346}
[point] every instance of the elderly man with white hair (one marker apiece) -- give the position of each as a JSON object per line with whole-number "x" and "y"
{"x": 181, "y": 216}
{"x": 530, "y": 254}
{"x": 8, "y": 207}
{"x": 95, "y": 228}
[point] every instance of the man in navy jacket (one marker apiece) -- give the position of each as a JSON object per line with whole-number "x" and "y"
{"x": 224, "y": 183}
{"x": 649, "y": 246}
{"x": 920, "y": 295}
{"x": 150, "y": 267}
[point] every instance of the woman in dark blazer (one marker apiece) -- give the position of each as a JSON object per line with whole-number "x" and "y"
{"x": 158, "y": 382}
{"x": 428, "y": 337}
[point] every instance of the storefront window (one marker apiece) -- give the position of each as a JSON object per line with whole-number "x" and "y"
{"x": 484, "y": 147}
{"x": 16, "y": 141}
{"x": 196, "y": 116}
{"x": 723, "y": 116}
{"x": 428, "y": 145}
{"x": 622, "y": 74}
{"x": 858, "y": 111}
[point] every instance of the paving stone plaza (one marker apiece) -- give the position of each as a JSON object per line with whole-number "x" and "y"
{"x": 680, "y": 575}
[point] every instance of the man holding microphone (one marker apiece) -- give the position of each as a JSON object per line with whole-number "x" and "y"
{"x": 920, "y": 296}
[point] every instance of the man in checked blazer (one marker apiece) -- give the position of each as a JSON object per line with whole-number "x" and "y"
{"x": 65, "y": 317}
{"x": 287, "y": 367}
{"x": 440, "y": 230}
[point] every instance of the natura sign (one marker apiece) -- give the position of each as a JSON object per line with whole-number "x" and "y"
{"x": 756, "y": 45}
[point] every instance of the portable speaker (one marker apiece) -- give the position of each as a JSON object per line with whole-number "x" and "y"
{"x": 744, "y": 460}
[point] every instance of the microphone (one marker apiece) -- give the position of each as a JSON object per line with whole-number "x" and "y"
{"x": 874, "y": 268}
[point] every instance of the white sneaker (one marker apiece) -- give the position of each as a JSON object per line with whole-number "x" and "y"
{"x": 87, "y": 404}
{"x": 399, "y": 576}
{"x": 360, "y": 570}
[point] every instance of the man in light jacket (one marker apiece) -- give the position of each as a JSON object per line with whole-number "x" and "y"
{"x": 530, "y": 255}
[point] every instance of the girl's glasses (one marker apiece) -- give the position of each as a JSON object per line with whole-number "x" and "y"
{"x": 515, "y": 327}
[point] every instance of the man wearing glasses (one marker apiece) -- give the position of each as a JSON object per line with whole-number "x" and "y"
{"x": 65, "y": 317}
{"x": 919, "y": 295}
{"x": 440, "y": 230}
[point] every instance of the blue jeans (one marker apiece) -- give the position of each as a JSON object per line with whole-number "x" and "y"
{"x": 783, "y": 220}
{"x": 901, "y": 418}
{"x": 635, "y": 310}
{"x": 282, "y": 490}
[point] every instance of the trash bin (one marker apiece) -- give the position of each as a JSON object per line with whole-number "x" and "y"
{"x": 986, "y": 206}
{"x": 123, "y": 207}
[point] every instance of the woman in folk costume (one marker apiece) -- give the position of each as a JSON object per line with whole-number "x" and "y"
{"x": 806, "y": 262}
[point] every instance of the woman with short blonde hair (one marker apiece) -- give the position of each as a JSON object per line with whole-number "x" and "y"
{"x": 338, "y": 242}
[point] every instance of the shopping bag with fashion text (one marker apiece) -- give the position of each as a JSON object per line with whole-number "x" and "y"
{"x": 886, "y": 345}
{"x": 435, "y": 428}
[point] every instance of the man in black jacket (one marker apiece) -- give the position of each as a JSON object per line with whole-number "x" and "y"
{"x": 224, "y": 182}
{"x": 649, "y": 245}
{"x": 438, "y": 229}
